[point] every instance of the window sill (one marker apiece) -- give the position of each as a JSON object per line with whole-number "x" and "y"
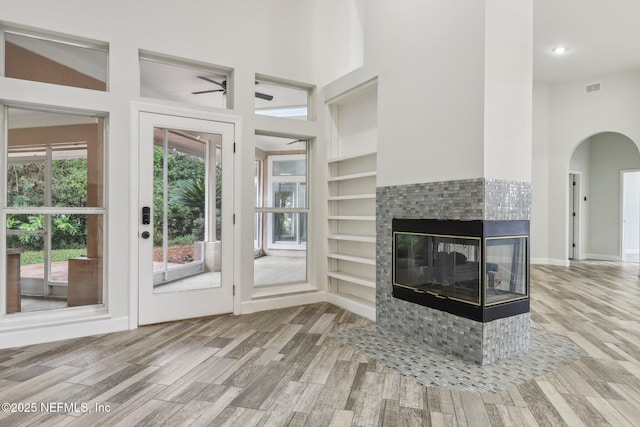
{"x": 48, "y": 318}
{"x": 278, "y": 290}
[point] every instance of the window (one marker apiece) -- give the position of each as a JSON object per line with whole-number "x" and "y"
{"x": 54, "y": 210}
{"x": 281, "y": 215}
{"x": 281, "y": 99}
{"x": 288, "y": 189}
{"x": 53, "y": 60}
{"x": 178, "y": 80}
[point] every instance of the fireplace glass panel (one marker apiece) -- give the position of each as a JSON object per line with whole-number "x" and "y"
{"x": 444, "y": 266}
{"x": 506, "y": 271}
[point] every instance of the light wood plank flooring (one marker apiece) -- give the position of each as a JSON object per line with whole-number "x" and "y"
{"x": 280, "y": 368}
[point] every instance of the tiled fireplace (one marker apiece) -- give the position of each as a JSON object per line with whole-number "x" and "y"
{"x": 452, "y": 266}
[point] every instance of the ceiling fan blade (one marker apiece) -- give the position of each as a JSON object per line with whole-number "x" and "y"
{"x": 223, "y": 85}
{"x": 207, "y": 91}
{"x": 264, "y": 96}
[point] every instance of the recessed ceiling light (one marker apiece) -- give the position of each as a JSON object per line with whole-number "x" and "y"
{"x": 560, "y": 50}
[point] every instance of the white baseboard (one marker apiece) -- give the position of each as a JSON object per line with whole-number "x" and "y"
{"x": 601, "y": 257}
{"x": 361, "y": 309}
{"x": 282, "y": 302}
{"x": 550, "y": 261}
{"x": 18, "y": 337}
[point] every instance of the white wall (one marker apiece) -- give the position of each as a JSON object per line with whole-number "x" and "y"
{"x": 430, "y": 95}
{"x": 446, "y": 82}
{"x": 540, "y": 175}
{"x": 252, "y": 36}
{"x": 508, "y": 94}
{"x": 573, "y": 117}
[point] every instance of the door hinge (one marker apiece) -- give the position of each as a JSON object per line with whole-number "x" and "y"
{"x": 234, "y": 219}
{"x": 574, "y": 183}
{"x": 574, "y": 214}
{"x": 234, "y": 290}
{"x": 234, "y": 147}
{"x": 573, "y": 245}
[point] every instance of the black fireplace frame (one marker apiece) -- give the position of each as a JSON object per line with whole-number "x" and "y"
{"x": 472, "y": 228}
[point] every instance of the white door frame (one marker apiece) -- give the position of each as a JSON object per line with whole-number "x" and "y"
{"x": 135, "y": 109}
{"x": 622, "y": 245}
{"x": 575, "y": 223}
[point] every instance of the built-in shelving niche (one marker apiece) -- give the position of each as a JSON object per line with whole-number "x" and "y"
{"x": 352, "y": 202}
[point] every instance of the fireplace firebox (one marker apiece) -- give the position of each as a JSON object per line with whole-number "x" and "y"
{"x": 478, "y": 270}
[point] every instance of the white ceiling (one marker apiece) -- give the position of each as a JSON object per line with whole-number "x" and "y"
{"x": 603, "y": 37}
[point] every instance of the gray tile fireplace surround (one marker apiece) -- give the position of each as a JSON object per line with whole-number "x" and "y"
{"x": 473, "y": 199}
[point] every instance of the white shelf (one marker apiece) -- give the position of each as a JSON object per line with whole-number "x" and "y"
{"x": 351, "y": 157}
{"x": 354, "y": 304}
{"x": 356, "y": 259}
{"x": 354, "y": 197}
{"x": 352, "y": 176}
{"x": 353, "y": 238}
{"x": 352, "y": 278}
{"x": 352, "y": 188}
{"x": 352, "y": 218}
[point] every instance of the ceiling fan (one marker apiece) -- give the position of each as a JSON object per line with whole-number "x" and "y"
{"x": 223, "y": 89}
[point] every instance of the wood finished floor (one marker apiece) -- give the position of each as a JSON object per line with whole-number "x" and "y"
{"x": 279, "y": 368}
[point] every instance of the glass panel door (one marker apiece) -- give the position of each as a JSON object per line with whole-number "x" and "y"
{"x": 184, "y": 192}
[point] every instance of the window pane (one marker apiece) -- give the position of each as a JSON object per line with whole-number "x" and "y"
{"x": 278, "y": 100}
{"x": 284, "y": 228}
{"x": 69, "y": 186}
{"x": 289, "y": 168}
{"x": 50, "y": 61}
{"x": 283, "y": 266}
{"x": 302, "y": 227}
{"x": 54, "y": 261}
{"x": 280, "y": 269}
{"x": 284, "y": 195}
{"x": 160, "y": 79}
{"x": 54, "y": 160}
{"x": 186, "y": 231}
{"x": 25, "y": 183}
{"x": 302, "y": 197}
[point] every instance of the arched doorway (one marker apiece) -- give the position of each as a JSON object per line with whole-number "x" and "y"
{"x": 596, "y": 179}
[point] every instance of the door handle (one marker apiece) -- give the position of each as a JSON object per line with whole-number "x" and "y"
{"x": 145, "y": 234}
{"x": 146, "y": 215}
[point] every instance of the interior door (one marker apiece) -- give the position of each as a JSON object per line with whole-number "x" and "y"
{"x": 186, "y": 222}
{"x": 573, "y": 197}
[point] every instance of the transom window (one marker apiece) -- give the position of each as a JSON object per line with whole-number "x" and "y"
{"x": 279, "y": 99}
{"x": 55, "y": 60}
{"x": 172, "y": 79}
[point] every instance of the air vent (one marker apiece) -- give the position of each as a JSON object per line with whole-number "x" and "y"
{"x": 593, "y": 87}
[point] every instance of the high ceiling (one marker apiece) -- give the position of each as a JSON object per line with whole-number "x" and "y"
{"x": 603, "y": 37}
